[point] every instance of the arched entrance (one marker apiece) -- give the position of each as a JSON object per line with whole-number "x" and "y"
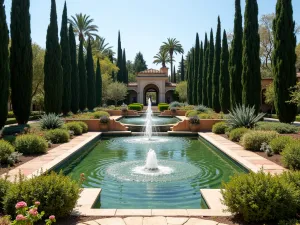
{"x": 151, "y": 91}
{"x": 131, "y": 96}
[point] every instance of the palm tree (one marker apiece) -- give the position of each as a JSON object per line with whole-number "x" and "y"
{"x": 162, "y": 57}
{"x": 100, "y": 48}
{"x": 172, "y": 46}
{"x": 83, "y": 26}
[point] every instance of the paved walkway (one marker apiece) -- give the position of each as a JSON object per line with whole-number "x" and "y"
{"x": 158, "y": 220}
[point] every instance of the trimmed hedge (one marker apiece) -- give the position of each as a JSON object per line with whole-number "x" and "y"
{"x": 219, "y": 128}
{"x": 191, "y": 113}
{"x": 291, "y": 155}
{"x": 75, "y": 127}
{"x": 57, "y": 136}
{"x": 163, "y": 107}
{"x": 278, "y": 144}
{"x": 237, "y": 133}
{"x": 6, "y": 149}
{"x": 281, "y": 128}
{"x": 136, "y": 107}
{"x": 253, "y": 140}
{"x": 29, "y": 144}
{"x": 99, "y": 114}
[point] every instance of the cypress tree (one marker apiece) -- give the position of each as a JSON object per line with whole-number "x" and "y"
{"x": 4, "y": 68}
{"x": 119, "y": 60}
{"x": 174, "y": 75}
{"x": 200, "y": 75}
{"x": 205, "y": 71}
{"x": 236, "y": 53}
{"x": 74, "y": 73}
{"x": 283, "y": 60}
{"x": 124, "y": 76}
{"x": 82, "y": 78}
{"x": 190, "y": 77}
{"x": 91, "y": 93}
{"x": 65, "y": 62}
{"x": 224, "y": 76}
{"x": 216, "y": 71}
{"x": 182, "y": 75}
{"x": 251, "y": 78}
{"x": 196, "y": 70}
{"x": 210, "y": 68}
{"x": 111, "y": 58}
{"x": 98, "y": 84}
{"x": 21, "y": 60}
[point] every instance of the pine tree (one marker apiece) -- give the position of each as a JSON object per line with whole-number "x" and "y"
{"x": 91, "y": 94}
{"x": 21, "y": 60}
{"x": 205, "y": 71}
{"x": 224, "y": 76}
{"x": 4, "y": 67}
{"x": 182, "y": 75}
{"x": 82, "y": 79}
{"x": 74, "y": 73}
{"x": 124, "y": 76}
{"x": 65, "y": 62}
{"x": 196, "y": 70}
{"x": 283, "y": 60}
{"x": 210, "y": 68}
{"x": 175, "y": 80}
{"x": 216, "y": 71}
{"x": 235, "y": 62}
{"x": 251, "y": 78}
{"x": 119, "y": 60}
{"x": 98, "y": 84}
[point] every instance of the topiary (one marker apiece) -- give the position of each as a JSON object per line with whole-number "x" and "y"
{"x": 253, "y": 140}
{"x": 219, "y": 128}
{"x": 278, "y": 144}
{"x": 291, "y": 155}
{"x": 6, "y": 149}
{"x": 99, "y": 114}
{"x": 75, "y": 127}
{"x": 84, "y": 126}
{"x": 237, "y": 133}
{"x": 4, "y": 187}
{"x": 57, "y": 136}
{"x": 57, "y": 194}
{"x": 50, "y": 121}
{"x": 260, "y": 197}
{"x": 135, "y": 107}
{"x": 191, "y": 113}
{"x": 281, "y": 128}
{"x": 29, "y": 144}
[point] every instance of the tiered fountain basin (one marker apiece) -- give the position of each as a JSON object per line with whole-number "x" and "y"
{"x": 119, "y": 167}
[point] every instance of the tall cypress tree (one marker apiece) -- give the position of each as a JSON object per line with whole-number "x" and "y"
{"x": 111, "y": 58}
{"x": 190, "y": 77}
{"x": 175, "y": 80}
{"x": 196, "y": 69}
{"x": 251, "y": 78}
{"x": 82, "y": 79}
{"x": 74, "y": 73}
{"x": 200, "y": 75}
{"x": 216, "y": 71}
{"x": 205, "y": 71}
{"x": 65, "y": 62}
{"x": 224, "y": 76}
{"x": 284, "y": 59}
{"x": 119, "y": 60}
{"x": 4, "y": 68}
{"x": 210, "y": 68}
{"x": 21, "y": 60}
{"x": 182, "y": 75}
{"x": 124, "y": 76}
{"x": 98, "y": 84}
{"x": 235, "y": 62}
{"x": 91, "y": 94}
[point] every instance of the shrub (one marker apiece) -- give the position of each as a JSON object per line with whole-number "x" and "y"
{"x": 75, "y": 127}
{"x": 14, "y": 158}
{"x": 237, "y": 133}
{"x": 4, "y": 187}
{"x": 191, "y": 113}
{"x": 56, "y": 193}
{"x": 253, "y": 140}
{"x": 278, "y": 144}
{"x": 282, "y": 128}
{"x": 175, "y": 104}
{"x": 163, "y": 107}
{"x": 202, "y": 108}
{"x": 98, "y": 114}
{"x": 10, "y": 114}
{"x": 298, "y": 118}
{"x": 50, "y": 121}
{"x": 31, "y": 144}
{"x": 84, "y": 126}
{"x": 5, "y": 220}
{"x": 104, "y": 120}
{"x": 10, "y": 138}
{"x": 6, "y": 149}
{"x": 12, "y": 130}
{"x": 194, "y": 120}
{"x": 219, "y": 128}
{"x": 57, "y": 136}
{"x": 260, "y": 197}
{"x": 291, "y": 156}
{"x": 135, "y": 107}
{"x": 242, "y": 116}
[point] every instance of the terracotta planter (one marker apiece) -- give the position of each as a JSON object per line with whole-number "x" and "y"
{"x": 194, "y": 127}
{"x": 104, "y": 126}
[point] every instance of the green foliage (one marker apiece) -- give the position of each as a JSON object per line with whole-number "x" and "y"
{"x": 57, "y": 136}
{"x": 201, "y": 109}
{"x": 84, "y": 126}
{"x": 281, "y": 128}
{"x": 253, "y": 140}
{"x": 205, "y": 71}
{"x": 291, "y": 155}
{"x": 91, "y": 94}
{"x": 191, "y": 113}
{"x": 283, "y": 60}
{"x": 53, "y": 82}
{"x": 219, "y": 128}
{"x": 98, "y": 84}
{"x": 175, "y": 104}
{"x": 98, "y": 114}
{"x": 50, "y": 121}
{"x": 6, "y": 149}
{"x": 195, "y": 120}
{"x": 278, "y": 144}
{"x": 200, "y": 76}
{"x": 237, "y": 134}
{"x": 4, "y": 187}
{"x": 57, "y": 194}
{"x": 182, "y": 70}
{"x": 30, "y": 144}
{"x": 242, "y": 116}
{"x": 163, "y": 106}
{"x": 104, "y": 120}
{"x": 12, "y": 130}
{"x": 196, "y": 70}
{"x": 135, "y": 107}
{"x": 119, "y": 61}
{"x": 117, "y": 92}
{"x": 210, "y": 69}
{"x": 75, "y": 127}
{"x": 260, "y": 197}
{"x": 82, "y": 79}
{"x": 5, "y": 220}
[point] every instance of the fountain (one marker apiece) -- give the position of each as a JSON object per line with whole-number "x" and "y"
{"x": 148, "y": 123}
{"x": 151, "y": 161}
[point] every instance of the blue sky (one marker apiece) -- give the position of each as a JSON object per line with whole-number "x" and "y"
{"x": 145, "y": 24}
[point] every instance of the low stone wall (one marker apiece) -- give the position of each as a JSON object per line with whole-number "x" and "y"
{"x": 169, "y": 113}
{"x": 205, "y": 125}
{"x": 119, "y": 113}
{"x": 94, "y": 125}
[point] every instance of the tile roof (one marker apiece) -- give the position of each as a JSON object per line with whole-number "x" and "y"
{"x": 151, "y": 71}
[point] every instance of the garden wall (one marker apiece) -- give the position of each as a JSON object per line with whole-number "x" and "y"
{"x": 205, "y": 125}
{"x": 119, "y": 113}
{"x": 169, "y": 113}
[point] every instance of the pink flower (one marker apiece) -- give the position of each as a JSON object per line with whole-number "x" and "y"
{"x": 37, "y": 203}
{"x": 33, "y": 212}
{"x": 20, "y": 217}
{"x": 52, "y": 217}
{"x": 21, "y": 205}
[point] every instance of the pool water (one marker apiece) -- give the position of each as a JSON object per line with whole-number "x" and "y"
{"x": 195, "y": 164}
{"x": 141, "y": 120}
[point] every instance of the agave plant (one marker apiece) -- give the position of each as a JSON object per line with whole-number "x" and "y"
{"x": 243, "y": 116}
{"x": 51, "y": 121}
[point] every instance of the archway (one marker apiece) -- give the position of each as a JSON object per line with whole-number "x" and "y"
{"x": 131, "y": 96}
{"x": 151, "y": 91}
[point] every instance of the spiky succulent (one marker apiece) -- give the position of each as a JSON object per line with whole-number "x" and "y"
{"x": 51, "y": 121}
